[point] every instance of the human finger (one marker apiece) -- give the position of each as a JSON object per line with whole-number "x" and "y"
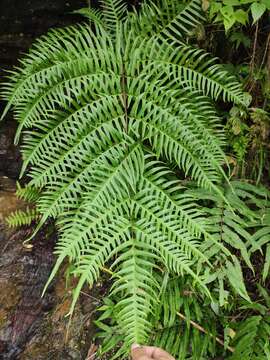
{"x": 138, "y": 353}
{"x": 159, "y": 354}
{"x": 152, "y": 352}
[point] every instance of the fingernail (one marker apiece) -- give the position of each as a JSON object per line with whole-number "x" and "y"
{"x": 135, "y": 346}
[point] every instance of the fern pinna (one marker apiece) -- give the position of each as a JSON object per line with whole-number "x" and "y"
{"x": 115, "y": 113}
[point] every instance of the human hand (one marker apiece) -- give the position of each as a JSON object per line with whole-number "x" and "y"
{"x": 149, "y": 353}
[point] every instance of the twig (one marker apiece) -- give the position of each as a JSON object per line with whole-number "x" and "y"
{"x": 265, "y": 51}
{"x": 252, "y": 62}
{"x": 200, "y": 328}
{"x": 108, "y": 271}
{"x": 268, "y": 70}
{"x": 92, "y": 352}
{"x": 90, "y": 296}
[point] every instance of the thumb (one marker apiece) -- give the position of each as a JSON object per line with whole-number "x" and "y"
{"x": 138, "y": 353}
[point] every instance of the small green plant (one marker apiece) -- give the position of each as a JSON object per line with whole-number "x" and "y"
{"x": 22, "y": 217}
{"x": 248, "y": 133}
{"x": 30, "y": 214}
{"x": 252, "y": 334}
{"x": 236, "y": 12}
{"x": 122, "y": 140}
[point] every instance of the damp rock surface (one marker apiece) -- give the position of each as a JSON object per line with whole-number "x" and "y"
{"x": 23, "y": 21}
{"x": 33, "y": 327}
{"x": 10, "y": 158}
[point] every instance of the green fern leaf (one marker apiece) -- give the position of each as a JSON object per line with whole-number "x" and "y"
{"x": 252, "y": 339}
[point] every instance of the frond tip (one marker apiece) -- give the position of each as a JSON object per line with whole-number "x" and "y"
{"x": 114, "y": 11}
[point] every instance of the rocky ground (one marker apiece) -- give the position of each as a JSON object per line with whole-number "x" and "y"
{"x": 32, "y": 327}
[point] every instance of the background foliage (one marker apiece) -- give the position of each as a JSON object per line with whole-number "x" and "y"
{"x": 236, "y": 12}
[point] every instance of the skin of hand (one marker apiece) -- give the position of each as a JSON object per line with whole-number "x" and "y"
{"x": 149, "y": 353}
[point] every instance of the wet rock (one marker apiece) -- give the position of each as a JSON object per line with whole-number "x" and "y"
{"x": 23, "y": 21}
{"x": 34, "y": 327}
{"x": 59, "y": 337}
{"x": 32, "y": 17}
{"x": 23, "y": 276}
{"x": 10, "y": 158}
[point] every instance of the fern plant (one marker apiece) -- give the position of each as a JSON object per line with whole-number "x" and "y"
{"x": 253, "y": 332}
{"x": 22, "y": 217}
{"x": 116, "y": 115}
{"x": 28, "y": 215}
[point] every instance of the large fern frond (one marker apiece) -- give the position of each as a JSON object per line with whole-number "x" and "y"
{"x": 114, "y": 118}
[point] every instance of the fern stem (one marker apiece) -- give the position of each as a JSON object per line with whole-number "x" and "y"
{"x": 109, "y": 271}
{"x": 124, "y": 95}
